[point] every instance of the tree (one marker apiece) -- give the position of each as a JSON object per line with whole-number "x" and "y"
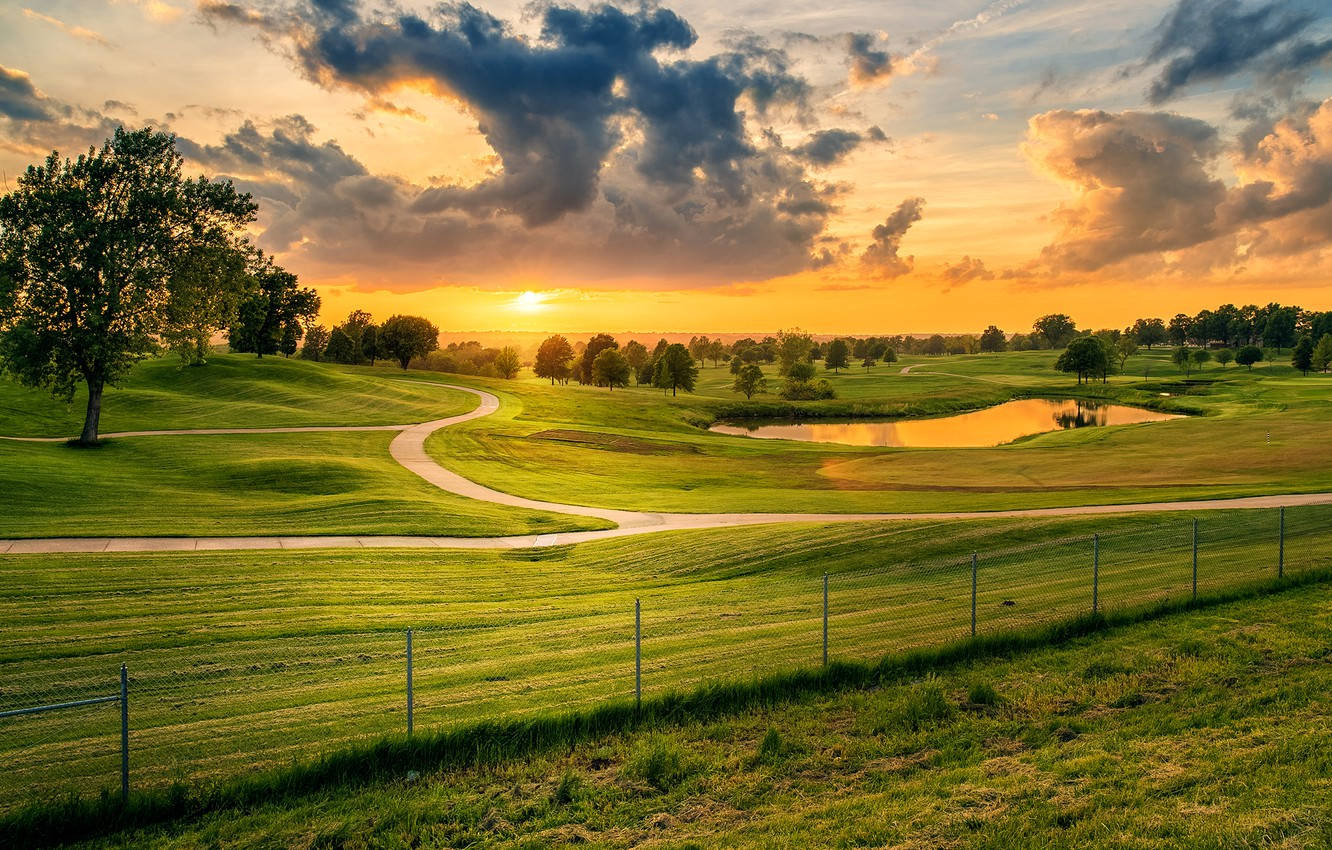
{"x": 888, "y": 356}
{"x": 992, "y": 340}
{"x": 1248, "y": 355}
{"x": 611, "y": 369}
{"x": 88, "y": 250}
{"x": 1224, "y": 356}
{"x": 838, "y": 354}
{"x": 675, "y": 370}
{"x": 750, "y": 380}
{"x": 507, "y": 363}
{"x": 698, "y": 347}
{"x": 1086, "y": 356}
{"x": 341, "y": 348}
{"x": 553, "y": 359}
{"x": 355, "y": 330}
{"x": 737, "y": 363}
{"x": 405, "y": 337}
{"x": 868, "y": 362}
{"x": 275, "y": 309}
{"x": 1124, "y": 348}
{"x": 1280, "y": 330}
{"x": 316, "y": 340}
{"x": 1057, "y": 329}
{"x": 206, "y": 289}
{"x": 1180, "y": 357}
{"x": 1199, "y": 357}
{"x": 1322, "y": 353}
{"x": 1149, "y": 332}
{"x": 370, "y": 343}
{"x": 717, "y": 352}
{"x": 792, "y": 346}
{"x": 595, "y": 346}
{"x": 1302, "y": 357}
{"x": 935, "y": 345}
{"x": 1180, "y": 330}
{"x": 637, "y": 355}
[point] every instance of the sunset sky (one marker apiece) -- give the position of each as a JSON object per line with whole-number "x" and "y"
{"x": 857, "y": 167}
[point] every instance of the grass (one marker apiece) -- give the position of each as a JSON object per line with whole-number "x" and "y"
{"x": 1259, "y": 432}
{"x": 245, "y": 661}
{"x": 1203, "y": 729}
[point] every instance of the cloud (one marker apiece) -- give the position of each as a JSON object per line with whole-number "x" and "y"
{"x": 155, "y": 10}
{"x": 19, "y": 98}
{"x": 614, "y": 151}
{"x": 1206, "y": 40}
{"x": 882, "y": 255}
{"x": 829, "y": 147}
{"x": 1146, "y": 191}
{"x": 869, "y": 65}
{"x": 967, "y": 269}
{"x": 73, "y": 31}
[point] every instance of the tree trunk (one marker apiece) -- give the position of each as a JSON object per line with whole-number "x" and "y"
{"x": 94, "y": 415}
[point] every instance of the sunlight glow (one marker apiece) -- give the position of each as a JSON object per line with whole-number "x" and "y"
{"x": 529, "y": 301}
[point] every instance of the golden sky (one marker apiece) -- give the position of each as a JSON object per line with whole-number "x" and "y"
{"x": 859, "y": 168}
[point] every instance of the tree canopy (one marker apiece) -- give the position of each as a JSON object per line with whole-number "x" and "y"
{"x": 553, "y": 359}
{"x": 610, "y": 369}
{"x": 405, "y": 337}
{"x": 1087, "y": 357}
{"x": 675, "y": 370}
{"x": 749, "y": 380}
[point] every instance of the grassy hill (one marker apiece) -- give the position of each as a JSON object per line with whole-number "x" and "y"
{"x": 1207, "y": 729}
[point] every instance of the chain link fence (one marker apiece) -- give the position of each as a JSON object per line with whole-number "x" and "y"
{"x": 202, "y": 707}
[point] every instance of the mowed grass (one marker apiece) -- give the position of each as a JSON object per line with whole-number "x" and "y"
{"x": 1207, "y": 729}
{"x": 1257, "y": 432}
{"x": 248, "y": 660}
{"x": 238, "y": 485}
{"x": 235, "y": 391}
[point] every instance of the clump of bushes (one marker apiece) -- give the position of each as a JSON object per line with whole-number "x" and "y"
{"x": 801, "y": 386}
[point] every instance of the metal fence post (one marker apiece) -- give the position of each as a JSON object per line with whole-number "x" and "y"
{"x": 825, "y": 619}
{"x": 409, "y": 682}
{"x": 1096, "y": 573}
{"x": 973, "y": 594}
{"x": 1281, "y": 543}
{"x": 124, "y": 734}
{"x": 1195, "y": 560}
{"x": 638, "y": 654}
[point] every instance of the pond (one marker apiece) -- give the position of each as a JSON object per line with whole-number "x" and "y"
{"x": 992, "y": 426}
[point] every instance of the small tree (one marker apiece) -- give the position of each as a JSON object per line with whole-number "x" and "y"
{"x": 1199, "y": 357}
{"x": 370, "y": 343}
{"x": 637, "y": 355}
{"x": 1086, "y": 356}
{"x": 272, "y": 316}
{"x": 207, "y": 288}
{"x": 1180, "y": 357}
{"x": 868, "y": 362}
{"x": 405, "y": 337}
{"x": 737, "y": 363}
{"x": 88, "y": 251}
{"x": 792, "y": 346}
{"x": 1125, "y": 347}
{"x": 1149, "y": 332}
{"x": 888, "y": 356}
{"x": 750, "y": 380}
{"x": 717, "y": 352}
{"x": 316, "y": 340}
{"x": 1224, "y": 356}
{"x": 507, "y": 363}
{"x": 611, "y": 369}
{"x": 1249, "y": 355}
{"x": 675, "y": 370}
{"x": 1322, "y": 353}
{"x": 838, "y": 355}
{"x": 993, "y": 340}
{"x": 553, "y": 359}
{"x": 1302, "y": 357}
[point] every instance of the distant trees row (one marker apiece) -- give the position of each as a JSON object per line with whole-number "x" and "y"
{"x": 601, "y": 362}
{"x": 359, "y": 340}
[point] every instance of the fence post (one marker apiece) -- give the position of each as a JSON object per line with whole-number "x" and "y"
{"x": 124, "y": 734}
{"x": 1195, "y": 560}
{"x": 973, "y": 594}
{"x": 1096, "y": 573}
{"x": 1281, "y": 543}
{"x": 825, "y": 619}
{"x": 638, "y": 655}
{"x": 409, "y": 682}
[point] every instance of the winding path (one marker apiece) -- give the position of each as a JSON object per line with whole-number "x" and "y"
{"x": 408, "y": 449}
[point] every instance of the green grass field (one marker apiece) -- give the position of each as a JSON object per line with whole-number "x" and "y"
{"x": 1206, "y": 729}
{"x": 247, "y": 660}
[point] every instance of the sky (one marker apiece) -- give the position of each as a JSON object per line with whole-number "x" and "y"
{"x": 841, "y": 166}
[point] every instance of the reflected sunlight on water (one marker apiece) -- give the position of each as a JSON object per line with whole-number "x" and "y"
{"x": 992, "y": 426}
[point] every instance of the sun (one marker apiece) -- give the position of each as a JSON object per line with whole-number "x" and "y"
{"x": 529, "y": 301}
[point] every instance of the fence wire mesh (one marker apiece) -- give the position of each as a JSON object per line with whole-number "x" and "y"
{"x": 205, "y": 706}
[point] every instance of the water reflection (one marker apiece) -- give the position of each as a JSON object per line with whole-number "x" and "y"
{"x": 992, "y": 426}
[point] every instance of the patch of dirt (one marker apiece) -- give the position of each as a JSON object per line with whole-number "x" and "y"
{"x": 613, "y": 442}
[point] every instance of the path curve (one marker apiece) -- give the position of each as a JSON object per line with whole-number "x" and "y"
{"x": 408, "y": 449}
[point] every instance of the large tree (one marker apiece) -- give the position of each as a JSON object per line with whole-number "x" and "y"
{"x": 1087, "y": 356}
{"x": 271, "y": 319}
{"x": 553, "y": 359}
{"x": 1149, "y": 332}
{"x": 206, "y": 290}
{"x": 405, "y": 337}
{"x": 1303, "y": 356}
{"x": 89, "y": 248}
{"x": 993, "y": 339}
{"x": 507, "y": 363}
{"x": 1056, "y": 328}
{"x": 675, "y": 370}
{"x": 595, "y": 346}
{"x": 610, "y": 369}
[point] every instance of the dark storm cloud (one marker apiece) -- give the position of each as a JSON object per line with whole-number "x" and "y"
{"x": 828, "y": 147}
{"x": 1213, "y": 39}
{"x": 868, "y": 63}
{"x": 882, "y": 256}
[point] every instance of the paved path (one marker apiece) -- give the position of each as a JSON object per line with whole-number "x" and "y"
{"x": 408, "y": 449}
